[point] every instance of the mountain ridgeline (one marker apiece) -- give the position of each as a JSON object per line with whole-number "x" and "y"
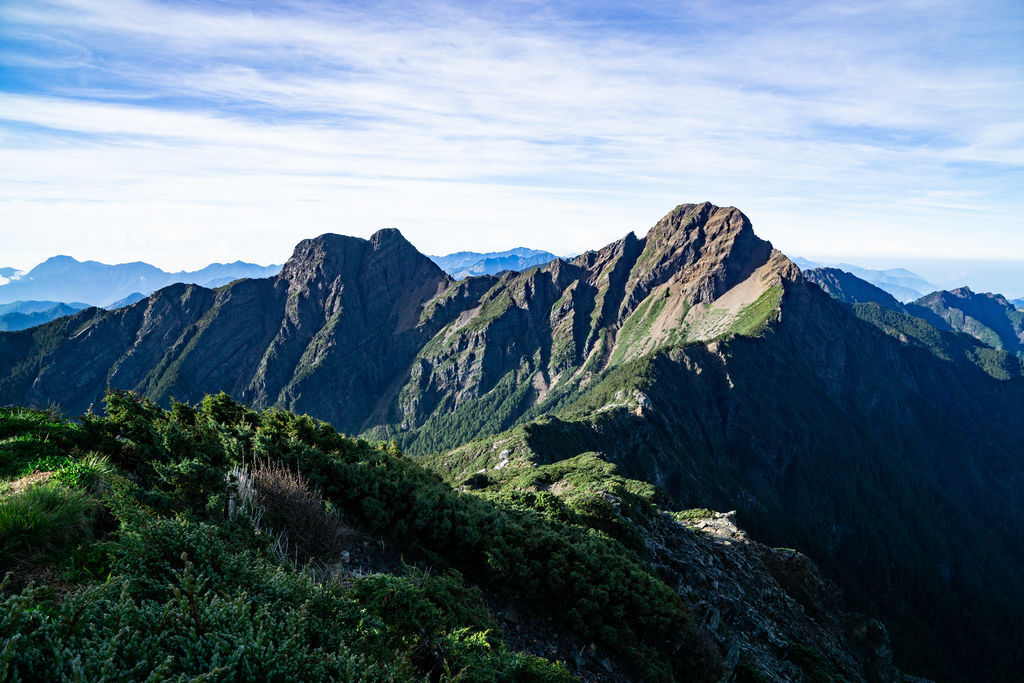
{"x": 697, "y": 358}
{"x": 64, "y": 279}
{"x": 989, "y": 318}
{"x": 463, "y": 264}
{"x": 21, "y": 315}
{"x": 899, "y": 282}
{"x": 370, "y": 333}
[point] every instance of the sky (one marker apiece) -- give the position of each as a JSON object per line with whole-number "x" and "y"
{"x": 186, "y": 132}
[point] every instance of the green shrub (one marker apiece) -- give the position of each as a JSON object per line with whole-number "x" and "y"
{"x": 105, "y": 632}
{"x": 171, "y": 507}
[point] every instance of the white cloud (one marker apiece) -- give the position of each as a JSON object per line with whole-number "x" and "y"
{"x": 194, "y": 133}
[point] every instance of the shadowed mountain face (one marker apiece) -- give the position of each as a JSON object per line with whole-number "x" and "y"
{"x": 697, "y": 358}
{"x": 851, "y": 289}
{"x": 987, "y": 317}
{"x": 321, "y": 337}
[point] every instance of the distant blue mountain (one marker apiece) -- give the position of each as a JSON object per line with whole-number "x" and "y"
{"x": 21, "y": 315}
{"x": 62, "y": 278}
{"x": 130, "y": 299}
{"x": 465, "y": 264}
{"x": 899, "y": 282}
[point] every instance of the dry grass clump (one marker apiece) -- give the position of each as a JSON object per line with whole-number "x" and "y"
{"x": 283, "y": 503}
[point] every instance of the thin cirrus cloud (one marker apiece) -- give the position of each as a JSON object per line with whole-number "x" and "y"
{"x": 186, "y": 132}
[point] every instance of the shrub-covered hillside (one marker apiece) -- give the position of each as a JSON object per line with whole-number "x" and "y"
{"x": 224, "y": 542}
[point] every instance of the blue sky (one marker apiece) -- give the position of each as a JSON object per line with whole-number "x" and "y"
{"x": 186, "y": 132}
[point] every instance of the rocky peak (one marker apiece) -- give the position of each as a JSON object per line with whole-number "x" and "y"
{"x": 595, "y": 260}
{"x": 962, "y": 292}
{"x": 327, "y": 252}
{"x": 385, "y": 260}
{"x": 386, "y": 235}
{"x": 392, "y": 242}
{"x": 390, "y": 246}
{"x": 703, "y": 249}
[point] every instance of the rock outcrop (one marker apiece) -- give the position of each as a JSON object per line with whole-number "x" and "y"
{"x": 770, "y": 609}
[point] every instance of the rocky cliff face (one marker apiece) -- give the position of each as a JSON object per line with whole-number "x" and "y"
{"x": 536, "y": 337}
{"x": 771, "y": 610}
{"x": 349, "y": 326}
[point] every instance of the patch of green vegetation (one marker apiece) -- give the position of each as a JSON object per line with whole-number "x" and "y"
{"x": 165, "y": 375}
{"x": 905, "y": 326}
{"x": 983, "y": 333}
{"x": 567, "y": 296}
{"x": 43, "y": 517}
{"x": 650, "y": 253}
{"x": 491, "y": 310}
{"x": 312, "y": 356}
{"x": 753, "y": 318}
{"x": 624, "y": 378}
{"x": 636, "y": 329}
{"x": 179, "y": 583}
{"x": 563, "y": 346}
{"x": 28, "y": 435}
{"x": 491, "y": 413}
{"x": 692, "y": 516}
{"x": 24, "y": 351}
{"x": 439, "y": 301}
{"x": 76, "y": 472}
{"x": 584, "y": 491}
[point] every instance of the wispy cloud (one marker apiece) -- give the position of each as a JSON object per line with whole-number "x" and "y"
{"x": 180, "y": 132}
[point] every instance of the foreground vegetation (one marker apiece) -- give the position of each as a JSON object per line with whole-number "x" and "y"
{"x": 215, "y": 541}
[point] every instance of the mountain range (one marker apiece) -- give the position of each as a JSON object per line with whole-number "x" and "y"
{"x": 899, "y": 282}
{"x": 699, "y": 359}
{"x": 20, "y": 315}
{"x": 463, "y": 264}
{"x": 115, "y": 286}
{"x": 987, "y": 317}
{"x": 65, "y": 279}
